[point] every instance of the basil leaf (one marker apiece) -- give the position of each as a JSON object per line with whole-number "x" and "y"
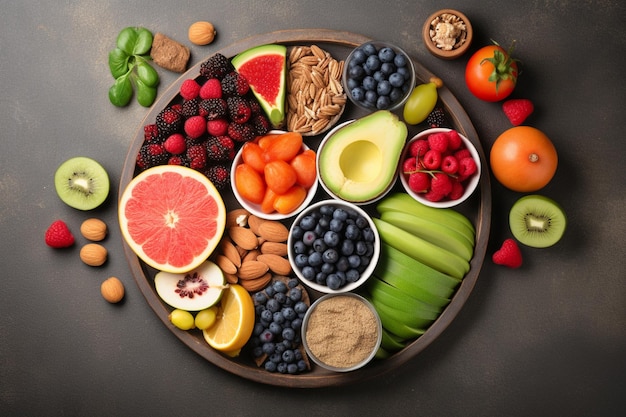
{"x": 143, "y": 43}
{"x": 121, "y": 91}
{"x": 145, "y": 94}
{"x": 118, "y": 62}
{"x": 147, "y": 74}
{"x": 127, "y": 39}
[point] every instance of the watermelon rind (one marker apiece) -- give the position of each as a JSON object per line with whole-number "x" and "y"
{"x": 275, "y": 111}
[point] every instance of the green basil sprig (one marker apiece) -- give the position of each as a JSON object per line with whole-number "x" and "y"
{"x": 129, "y": 65}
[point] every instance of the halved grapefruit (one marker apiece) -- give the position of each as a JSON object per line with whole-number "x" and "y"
{"x": 172, "y": 217}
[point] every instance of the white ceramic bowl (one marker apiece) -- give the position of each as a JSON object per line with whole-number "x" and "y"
{"x": 342, "y": 316}
{"x": 256, "y": 208}
{"x": 332, "y": 193}
{"x": 470, "y": 183}
{"x": 349, "y": 286}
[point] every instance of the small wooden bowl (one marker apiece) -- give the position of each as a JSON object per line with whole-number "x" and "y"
{"x": 456, "y": 51}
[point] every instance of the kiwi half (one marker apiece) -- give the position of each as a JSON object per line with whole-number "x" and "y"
{"x": 81, "y": 183}
{"x": 537, "y": 221}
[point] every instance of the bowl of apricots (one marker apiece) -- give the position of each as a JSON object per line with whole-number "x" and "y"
{"x": 275, "y": 175}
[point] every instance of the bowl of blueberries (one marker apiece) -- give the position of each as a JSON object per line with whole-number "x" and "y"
{"x": 333, "y": 246}
{"x": 378, "y": 76}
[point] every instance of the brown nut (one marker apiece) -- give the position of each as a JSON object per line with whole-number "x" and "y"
{"x": 201, "y": 33}
{"x": 273, "y": 231}
{"x": 93, "y": 254}
{"x": 93, "y": 229}
{"x": 112, "y": 290}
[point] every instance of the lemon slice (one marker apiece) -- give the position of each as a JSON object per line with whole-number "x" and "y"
{"x": 235, "y": 320}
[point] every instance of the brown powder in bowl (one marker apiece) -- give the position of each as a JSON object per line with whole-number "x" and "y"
{"x": 342, "y": 331}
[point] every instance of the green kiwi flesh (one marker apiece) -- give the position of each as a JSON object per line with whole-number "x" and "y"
{"x": 537, "y": 221}
{"x": 82, "y": 183}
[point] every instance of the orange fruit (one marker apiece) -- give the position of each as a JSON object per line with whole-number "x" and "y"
{"x": 284, "y": 147}
{"x": 249, "y": 183}
{"x": 523, "y": 159}
{"x": 267, "y": 205}
{"x": 252, "y": 154}
{"x": 234, "y": 322}
{"x": 172, "y": 217}
{"x": 280, "y": 176}
{"x": 304, "y": 165}
{"x": 289, "y": 201}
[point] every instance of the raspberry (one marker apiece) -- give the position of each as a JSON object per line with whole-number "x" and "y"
{"x": 441, "y": 184}
{"x": 220, "y": 148}
{"x": 216, "y": 66}
{"x": 189, "y": 89}
{"x": 59, "y": 235}
{"x": 217, "y": 127}
{"x": 454, "y": 140}
{"x": 211, "y": 89}
{"x": 195, "y": 126}
{"x": 457, "y": 190}
{"x": 436, "y": 118}
{"x": 419, "y": 147}
{"x": 438, "y": 141}
{"x": 213, "y": 108}
{"x": 467, "y": 167}
{"x": 169, "y": 121}
{"x": 219, "y": 175}
{"x": 509, "y": 254}
{"x": 175, "y": 144}
{"x": 197, "y": 157}
{"x": 517, "y": 110}
{"x": 150, "y": 132}
{"x": 419, "y": 182}
{"x": 432, "y": 159}
{"x": 238, "y": 109}
{"x": 241, "y": 132}
{"x": 462, "y": 153}
{"x": 235, "y": 84}
{"x": 190, "y": 107}
{"x": 410, "y": 165}
{"x": 449, "y": 165}
{"x": 259, "y": 121}
{"x": 433, "y": 196}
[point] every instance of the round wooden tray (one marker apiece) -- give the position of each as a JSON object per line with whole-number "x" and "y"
{"x": 477, "y": 208}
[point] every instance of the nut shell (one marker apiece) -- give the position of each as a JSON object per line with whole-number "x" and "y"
{"x": 201, "y": 33}
{"x": 112, "y": 290}
{"x": 93, "y": 229}
{"x": 93, "y": 254}
{"x": 457, "y": 51}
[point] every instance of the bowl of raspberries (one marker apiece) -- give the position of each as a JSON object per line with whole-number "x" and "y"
{"x": 439, "y": 167}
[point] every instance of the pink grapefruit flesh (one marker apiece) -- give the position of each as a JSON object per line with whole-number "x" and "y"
{"x": 172, "y": 217}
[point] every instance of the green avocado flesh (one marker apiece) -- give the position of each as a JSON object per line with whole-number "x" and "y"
{"x": 358, "y": 162}
{"x": 265, "y": 68}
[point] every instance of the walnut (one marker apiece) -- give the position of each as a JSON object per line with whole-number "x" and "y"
{"x": 448, "y": 31}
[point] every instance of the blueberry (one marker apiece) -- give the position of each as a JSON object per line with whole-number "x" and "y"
{"x": 383, "y": 88}
{"x": 289, "y": 313}
{"x": 387, "y": 68}
{"x": 383, "y": 102}
{"x": 300, "y": 307}
{"x": 280, "y": 297}
{"x": 320, "y": 278}
{"x": 396, "y": 94}
{"x": 327, "y": 210}
{"x": 296, "y": 323}
{"x": 330, "y": 256}
{"x": 318, "y": 246}
{"x": 333, "y": 282}
{"x": 269, "y": 291}
{"x": 342, "y": 264}
{"x": 257, "y": 351}
{"x": 331, "y": 238}
{"x": 258, "y": 329}
{"x": 356, "y": 72}
{"x": 273, "y": 305}
{"x": 341, "y": 214}
{"x": 309, "y": 237}
{"x": 369, "y": 49}
{"x": 370, "y": 83}
{"x": 372, "y": 62}
{"x": 297, "y": 232}
{"x": 358, "y": 93}
{"x": 352, "y": 232}
{"x": 299, "y": 247}
{"x": 354, "y": 261}
{"x": 361, "y": 222}
{"x": 266, "y": 315}
{"x": 347, "y": 247}
{"x": 289, "y": 334}
{"x": 386, "y": 54}
{"x": 336, "y": 225}
{"x": 307, "y": 223}
{"x": 361, "y": 248}
{"x": 371, "y": 97}
{"x": 315, "y": 259}
{"x": 379, "y": 75}
{"x": 260, "y": 298}
{"x": 292, "y": 369}
{"x": 270, "y": 366}
{"x": 327, "y": 269}
{"x": 301, "y": 260}
{"x": 404, "y": 71}
{"x": 352, "y": 275}
{"x": 278, "y": 317}
{"x": 295, "y": 294}
{"x": 358, "y": 57}
{"x": 368, "y": 234}
{"x": 268, "y": 348}
{"x": 399, "y": 60}
{"x": 282, "y": 367}
{"x": 301, "y": 365}
{"x": 266, "y": 336}
{"x": 280, "y": 348}
{"x": 396, "y": 79}
{"x": 292, "y": 283}
{"x": 352, "y": 83}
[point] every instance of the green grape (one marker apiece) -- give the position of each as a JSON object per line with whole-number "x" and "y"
{"x": 206, "y": 318}
{"x": 182, "y": 319}
{"x": 421, "y": 102}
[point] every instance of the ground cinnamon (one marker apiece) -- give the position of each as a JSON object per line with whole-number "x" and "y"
{"x": 342, "y": 331}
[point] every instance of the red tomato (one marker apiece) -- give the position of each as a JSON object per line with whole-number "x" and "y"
{"x": 491, "y": 73}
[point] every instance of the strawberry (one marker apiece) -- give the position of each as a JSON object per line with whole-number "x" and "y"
{"x": 517, "y": 110}
{"x": 59, "y": 235}
{"x": 508, "y": 255}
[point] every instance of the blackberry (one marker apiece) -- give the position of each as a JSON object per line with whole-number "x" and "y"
{"x": 150, "y": 132}
{"x": 238, "y": 109}
{"x": 219, "y": 175}
{"x": 169, "y": 121}
{"x": 190, "y": 108}
{"x": 217, "y": 66}
{"x": 213, "y": 108}
{"x": 151, "y": 155}
{"x": 197, "y": 157}
{"x": 234, "y": 84}
{"x": 220, "y": 148}
{"x": 260, "y": 123}
{"x": 436, "y": 118}
{"x": 241, "y": 132}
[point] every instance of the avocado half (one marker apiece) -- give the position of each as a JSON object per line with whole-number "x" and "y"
{"x": 265, "y": 68}
{"x": 358, "y": 161}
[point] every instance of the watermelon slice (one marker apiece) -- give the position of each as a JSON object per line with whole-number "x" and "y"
{"x": 265, "y": 68}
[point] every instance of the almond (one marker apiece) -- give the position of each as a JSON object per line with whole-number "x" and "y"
{"x": 251, "y": 255}
{"x": 225, "y": 264}
{"x": 274, "y": 248}
{"x": 273, "y": 231}
{"x": 237, "y": 217}
{"x": 93, "y": 229}
{"x": 254, "y": 222}
{"x": 257, "y": 284}
{"x": 112, "y": 290}
{"x": 93, "y": 254}
{"x": 252, "y": 270}
{"x": 231, "y": 279}
{"x": 243, "y": 237}
{"x": 275, "y": 263}
{"x": 230, "y": 251}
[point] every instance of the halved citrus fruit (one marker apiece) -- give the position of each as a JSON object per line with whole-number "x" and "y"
{"x": 235, "y": 321}
{"x": 172, "y": 217}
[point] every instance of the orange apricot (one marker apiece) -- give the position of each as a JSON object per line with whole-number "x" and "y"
{"x": 252, "y": 154}
{"x": 305, "y": 168}
{"x": 267, "y": 205}
{"x": 249, "y": 183}
{"x": 284, "y": 147}
{"x": 290, "y": 200}
{"x": 279, "y": 176}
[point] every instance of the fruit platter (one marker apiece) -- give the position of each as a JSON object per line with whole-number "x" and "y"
{"x": 238, "y": 359}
